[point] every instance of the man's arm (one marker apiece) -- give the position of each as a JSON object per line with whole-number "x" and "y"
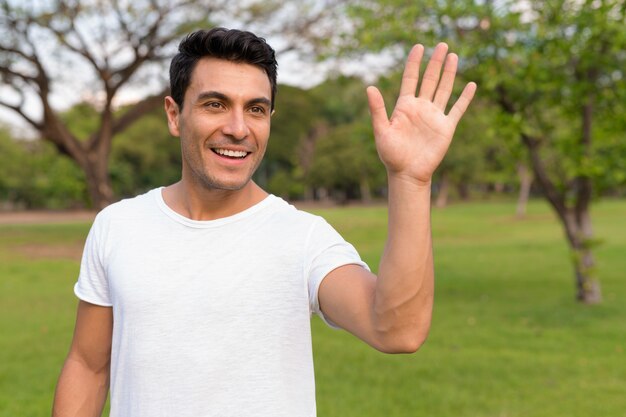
{"x": 84, "y": 382}
{"x": 392, "y": 312}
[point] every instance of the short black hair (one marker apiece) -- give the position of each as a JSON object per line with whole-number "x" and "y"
{"x": 229, "y": 44}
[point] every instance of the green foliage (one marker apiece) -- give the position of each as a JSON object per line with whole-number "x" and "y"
{"x": 145, "y": 156}
{"x": 296, "y": 115}
{"x": 296, "y": 112}
{"x": 11, "y": 161}
{"x": 288, "y": 186}
{"x": 609, "y": 152}
{"x": 346, "y": 158}
{"x": 481, "y": 154}
{"x": 540, "y": 61}
{"x": 32, "y": 175}
{"x": 341, "y": 100}
{"x": 322, "y": 138}
{"x": 82, "y": 120}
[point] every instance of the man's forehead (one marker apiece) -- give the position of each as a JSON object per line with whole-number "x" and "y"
{"x": 229, "y": 77}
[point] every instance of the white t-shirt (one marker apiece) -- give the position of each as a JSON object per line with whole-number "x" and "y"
{"x": 211, "y": 318}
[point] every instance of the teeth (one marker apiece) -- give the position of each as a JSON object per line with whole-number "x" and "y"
{"x": 233, "y": 154}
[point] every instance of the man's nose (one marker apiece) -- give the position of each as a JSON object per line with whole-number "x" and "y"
{"x": 235, "y": 125}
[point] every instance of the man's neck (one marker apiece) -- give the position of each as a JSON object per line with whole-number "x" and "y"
{"x": 198, "y": 203}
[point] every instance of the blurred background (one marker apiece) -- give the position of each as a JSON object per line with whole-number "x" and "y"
{"x": 529, "y": 211}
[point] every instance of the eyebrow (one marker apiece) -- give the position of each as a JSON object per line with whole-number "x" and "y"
{"x": 221, "y": 96}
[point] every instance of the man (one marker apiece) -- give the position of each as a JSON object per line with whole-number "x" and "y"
{"x": 195, "y": 299}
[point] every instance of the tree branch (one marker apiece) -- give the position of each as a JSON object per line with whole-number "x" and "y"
{"x": 138, "y": 110}
{"x": 82, "y": 50}
{"x": 120, "y": 18}
{"x": 8, "y": 49}
{"x": 122, "y": 75}
{"x": 583, "y": 181}
{"x": 26, "y": 78}
{"x": 18, "y": 109}
{"x": 541, "y": 174}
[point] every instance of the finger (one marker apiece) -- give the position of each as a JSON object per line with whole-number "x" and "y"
{"x": 431, "y": 75}
{"x": 411, "y": 74}
{"x": 447, "y": 82}
{"x": 457, "y": 111}
{"x": 377, "y": 110}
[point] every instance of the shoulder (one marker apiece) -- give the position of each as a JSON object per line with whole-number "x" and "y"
{"x": 133, "y": 204}
{"x": 312, "y": 228}
{"x": 127, "y": 210}
{"x": 287, "y": 214}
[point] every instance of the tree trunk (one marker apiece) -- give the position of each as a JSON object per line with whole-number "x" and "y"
{"x": 588, "y": 287}
{"x": 365, "y": 190}
{"x": 580, "y": 237}
{"x": 464, "y": 191}
{"x": 525, "y": 181}
{"x": 309, "y": 193}
{"x": 98, "y": 180}
{"x": 306, "y": 152}
{"x": 575, "y": 219}
{"x": 576, "y": 222}
{"x": 444, "y": 190}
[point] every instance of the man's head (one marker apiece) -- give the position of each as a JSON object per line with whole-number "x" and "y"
{"x": 231, "y": 45}
{"x": 223, "y": 84}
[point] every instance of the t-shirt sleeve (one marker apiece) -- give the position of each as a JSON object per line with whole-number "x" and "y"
{"x": 327, "y": 250}
{"x": 92, "y": 285}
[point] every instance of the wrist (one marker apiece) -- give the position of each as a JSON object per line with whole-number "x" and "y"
{"x": 407, "y": 181}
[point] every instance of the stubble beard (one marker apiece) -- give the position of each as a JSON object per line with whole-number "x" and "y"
{"x": 201, "y": 175}
{"x": 209, "y": 183}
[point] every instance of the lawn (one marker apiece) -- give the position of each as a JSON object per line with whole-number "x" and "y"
{"x": 507, "y": 338}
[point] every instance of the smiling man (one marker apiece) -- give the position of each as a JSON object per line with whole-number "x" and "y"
{"x": 195, "y": 298}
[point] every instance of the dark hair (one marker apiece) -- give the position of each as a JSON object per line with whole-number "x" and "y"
{"x": 232, "y": 45}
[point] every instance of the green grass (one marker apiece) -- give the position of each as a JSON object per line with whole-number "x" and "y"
{"x": 36, "y": 315}
{"x": 507, "y": 337}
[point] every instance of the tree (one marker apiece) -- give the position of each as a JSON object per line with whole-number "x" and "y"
{"x": 344, "y": 160}
{"x": 322, "y": 139}
{"x": 32, "y": 176}
{"x": 295, "y": 127}
{"x": 568, "y": 54}
{"x": 555, "y": 69}
{"x": 100, "y": 49}
{"x": 478, "y": 157}
{"x": 346, "y": 163}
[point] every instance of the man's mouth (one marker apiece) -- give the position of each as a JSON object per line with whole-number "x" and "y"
{"x": 229, "y": 153}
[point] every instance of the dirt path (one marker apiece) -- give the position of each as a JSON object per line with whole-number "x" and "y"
{"x": 71, "y": 250}
{"x": 43, "y": 216}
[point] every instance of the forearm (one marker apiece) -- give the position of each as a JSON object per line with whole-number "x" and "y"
{"x": 403, "y": 300}
{"x": 80, "y": 391}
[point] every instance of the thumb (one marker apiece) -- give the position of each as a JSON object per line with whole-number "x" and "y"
{"x": 377, "y": 110}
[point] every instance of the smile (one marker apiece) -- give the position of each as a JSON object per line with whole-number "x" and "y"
{"x": 230, "y": 153}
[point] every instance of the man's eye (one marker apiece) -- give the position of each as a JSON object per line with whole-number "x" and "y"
{"x": 214, "y": 104}
{"x": 257, "y": 109}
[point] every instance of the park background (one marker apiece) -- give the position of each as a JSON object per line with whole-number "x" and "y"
{"x": 528, "y": 206}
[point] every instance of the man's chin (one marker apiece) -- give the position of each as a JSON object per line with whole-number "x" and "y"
{"x": 215, "y": 185}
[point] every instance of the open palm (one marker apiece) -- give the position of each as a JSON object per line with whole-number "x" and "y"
{"x": 415, "y": 139}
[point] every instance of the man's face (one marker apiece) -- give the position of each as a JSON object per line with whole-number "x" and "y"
{"x": 224, "y": 124}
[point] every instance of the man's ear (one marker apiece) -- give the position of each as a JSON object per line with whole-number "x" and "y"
{"x": 173, "y": 114}
{"x": 272, "y": 113}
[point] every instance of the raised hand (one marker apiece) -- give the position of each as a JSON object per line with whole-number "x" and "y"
{"x": 415, "y": 139}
